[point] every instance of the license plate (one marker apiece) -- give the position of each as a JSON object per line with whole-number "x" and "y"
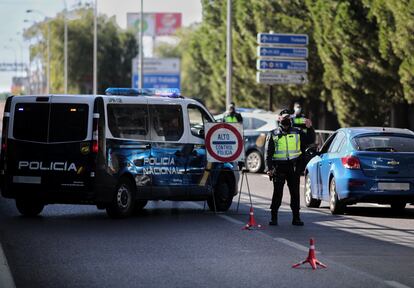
{"x": 393, "y": 186}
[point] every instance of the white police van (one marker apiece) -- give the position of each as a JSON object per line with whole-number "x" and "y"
{"x": 115, "y": 151}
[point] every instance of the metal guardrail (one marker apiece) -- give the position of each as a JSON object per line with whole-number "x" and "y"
{"x": 322, "y": 136}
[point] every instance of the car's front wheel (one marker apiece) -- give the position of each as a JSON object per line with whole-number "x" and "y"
{"x": 335, "y": 205}
{"x": 222, "y": 198}
{"x": 122, "y": 204}
{"x": 309, "y": 200}
{"x": 254, "y": 162}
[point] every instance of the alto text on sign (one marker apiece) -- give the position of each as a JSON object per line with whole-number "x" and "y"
{"x": 224, "y": 142}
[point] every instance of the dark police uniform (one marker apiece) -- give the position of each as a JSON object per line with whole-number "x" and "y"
{"x": 284, "y": 152}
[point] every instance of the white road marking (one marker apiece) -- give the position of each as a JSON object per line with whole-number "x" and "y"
{"x": 231, "y": 219}
{"x": 396, "y": 284}
{"x": 6, "y": 279}
{"x": 292, "y": 244}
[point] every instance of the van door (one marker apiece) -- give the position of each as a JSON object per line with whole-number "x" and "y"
{"x": 196, "y": 175}
{"x": 49, "y": 144}
{"x": 128, "y": 146}
{"x": 167, "y": 160}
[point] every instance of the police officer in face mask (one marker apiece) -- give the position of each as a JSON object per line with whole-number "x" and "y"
{"x": 231, "y": 116}
{"x": 285, "y": 149}
{"x": 298, "y": 119}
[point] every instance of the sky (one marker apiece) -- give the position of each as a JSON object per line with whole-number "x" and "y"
{"x": 13, "y": 13}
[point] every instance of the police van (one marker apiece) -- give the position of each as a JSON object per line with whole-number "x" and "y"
{"x": 115, "y": 151}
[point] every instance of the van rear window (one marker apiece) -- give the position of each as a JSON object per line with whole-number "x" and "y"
{"x": 31, "y": 121}
{"x": 44, "y": 122}
{"x": 68, "y": 122}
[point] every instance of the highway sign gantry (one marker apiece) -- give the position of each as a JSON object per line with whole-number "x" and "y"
{"x": 283, "y": 65}
{"x": 282, "y": 52}
{"x": 283, "y": 39}
{"x": 263, "y": 77}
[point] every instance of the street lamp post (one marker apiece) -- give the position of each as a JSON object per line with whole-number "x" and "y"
{"x": 141, "y": 47}
{"x": 48, "y": 48}
{"x": 95, "y": 48}
{"x": 65, "y": 52}
{"x": 21, "y": 50}
{"x": 228, "y": 56}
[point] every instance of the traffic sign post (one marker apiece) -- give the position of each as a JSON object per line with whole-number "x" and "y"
{"x": 282, "y": 60}
{"x": 283, "y": 39}
{"x": 158, "y": 73}
{"x": 224, "y": 142}
{"x": 282, "y": 52}
{"x": 284, "y": 65}
{"x": 278, "y": 78}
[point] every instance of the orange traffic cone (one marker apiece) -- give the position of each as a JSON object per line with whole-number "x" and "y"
{"x": 252, "y": 223}
{"x": 311, "y": 258}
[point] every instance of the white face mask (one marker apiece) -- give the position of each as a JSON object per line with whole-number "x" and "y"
{"x": 298, "y": 110}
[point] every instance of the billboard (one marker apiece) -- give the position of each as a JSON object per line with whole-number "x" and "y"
{"x": 133, "y": 23}
{"x": 155, "y": 24}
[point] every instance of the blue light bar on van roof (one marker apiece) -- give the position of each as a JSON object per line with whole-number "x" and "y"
{"x": 162, "y": 92}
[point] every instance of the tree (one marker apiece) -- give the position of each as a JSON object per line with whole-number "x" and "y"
{"x": 116, "y": 48}
{"x": 360, "y": 80}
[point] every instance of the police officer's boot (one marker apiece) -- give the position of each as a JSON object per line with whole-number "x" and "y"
{"x": 273, "y": 221}
{"x": 296, "y": 220}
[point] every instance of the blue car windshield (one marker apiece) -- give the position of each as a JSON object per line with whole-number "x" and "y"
{"x": 384, "y": 143}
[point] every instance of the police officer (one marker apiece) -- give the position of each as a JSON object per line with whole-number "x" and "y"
{"x": 231, "y": 116}
{"x": 298, "y": 119}
{"x": 285, "y": 148}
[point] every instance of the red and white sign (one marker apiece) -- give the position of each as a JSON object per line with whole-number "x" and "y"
{"x": 167, "y": 23}
{"x": 224, "y": 142}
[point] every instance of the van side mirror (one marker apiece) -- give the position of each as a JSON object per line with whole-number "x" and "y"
{"x": 201, "y": 132}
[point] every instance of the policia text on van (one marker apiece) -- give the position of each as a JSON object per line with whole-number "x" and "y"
{"x": 116, "y": 151}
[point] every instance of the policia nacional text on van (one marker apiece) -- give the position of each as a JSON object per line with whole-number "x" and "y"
{"x": 285, "y": 150}
{"x": 115, "y": 151}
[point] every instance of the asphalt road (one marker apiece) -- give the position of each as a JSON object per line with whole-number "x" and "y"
{"x": 179, "y": 244}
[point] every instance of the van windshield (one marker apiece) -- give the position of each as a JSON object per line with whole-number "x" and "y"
{"x": 44, "y": 122}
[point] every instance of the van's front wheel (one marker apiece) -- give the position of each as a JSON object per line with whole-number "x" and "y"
{"x": 122, "y": 204}
{"x": 222, "y": 197}
{"x": 29, "y": 207}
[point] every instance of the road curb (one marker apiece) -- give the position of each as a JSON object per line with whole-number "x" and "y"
{"x": 6, "y": 279}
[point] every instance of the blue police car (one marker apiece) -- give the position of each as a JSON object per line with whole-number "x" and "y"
{"x": 115, "y": 151}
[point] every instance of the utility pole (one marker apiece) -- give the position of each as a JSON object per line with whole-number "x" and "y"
{"x": 141, "y": 48}
{"x": 229, "y": 58}
{"x": 65, "y": 49}
{"x": 95, "y": 48}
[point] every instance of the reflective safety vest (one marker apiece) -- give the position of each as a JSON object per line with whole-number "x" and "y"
{"x": 230, "y": 119}
{"x": 299, "y": 120}
{"x": 287, "y": 147}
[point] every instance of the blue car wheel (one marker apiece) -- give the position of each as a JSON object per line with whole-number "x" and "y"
{"x": 309, "y": 200}
{"x": 335, "y": 204}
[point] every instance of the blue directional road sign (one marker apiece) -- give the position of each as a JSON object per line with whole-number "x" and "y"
{"x": 158, "y": 81}
{"x": 285, "y": 65}
{"x": 283, "y": 52}
{"x": 283, "y": 39}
